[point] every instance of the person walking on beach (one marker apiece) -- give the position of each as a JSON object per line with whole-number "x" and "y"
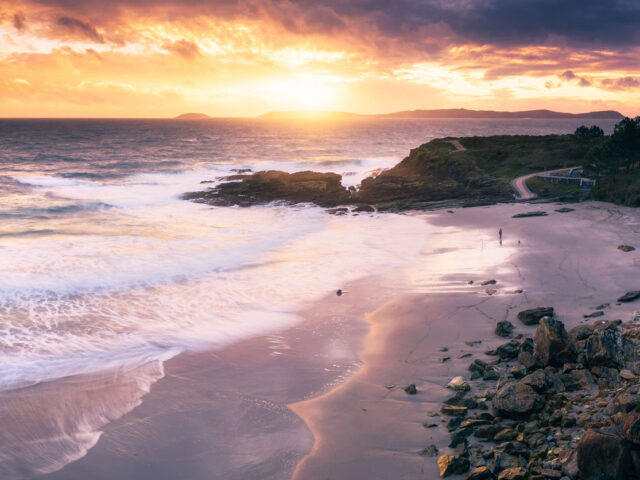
{"x": 500, "y": 235}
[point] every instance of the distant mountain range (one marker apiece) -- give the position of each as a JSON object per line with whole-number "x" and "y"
{"x": 445, "y": 113}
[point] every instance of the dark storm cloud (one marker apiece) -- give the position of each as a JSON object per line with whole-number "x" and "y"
{"x": 18, "y": 21}
{"x": 607, "y": 23}
{"x": 81, "y": 28}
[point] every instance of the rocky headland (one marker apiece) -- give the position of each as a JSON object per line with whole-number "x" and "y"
{"x": 441, "y": 173}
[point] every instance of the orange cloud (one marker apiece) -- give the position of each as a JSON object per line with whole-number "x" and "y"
{"x": 242, "y": 57}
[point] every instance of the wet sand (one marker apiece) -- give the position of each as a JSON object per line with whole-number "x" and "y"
{"x": 223, "y": 414}
{"x": 369, "y": 428}
{"x": 325, "y": 399}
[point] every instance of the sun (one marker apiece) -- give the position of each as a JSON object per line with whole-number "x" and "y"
{"x": 303, "y": 93}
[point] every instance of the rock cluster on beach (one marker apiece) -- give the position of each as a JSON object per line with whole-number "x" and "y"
{"x": 558, "y": 405}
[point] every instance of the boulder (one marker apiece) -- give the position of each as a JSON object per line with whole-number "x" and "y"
{"x": 508, "y": 351}
{"x": 553, "y": 346}
{"x": 627, "y": 399}
{"x": 580, "y": 379}
{"x": 570, "y": 464}
{"x": 516, "y": 473}
{"x": 534, "y": 315}
{"x": 538, "y": 380}
{"x": 516, "y": 400}
{"x": 631, "y": 428}
{"x": 452, "y": 465}
{"x": 607, "y": 347}
{"x": 528, "y": 360}
{"x": 604, "y": 455}
{"x": 581, "y": 332}
{"x": 607, "y": 378}
{"x": 504, "y": 328}
{"x": 480, "y": 473}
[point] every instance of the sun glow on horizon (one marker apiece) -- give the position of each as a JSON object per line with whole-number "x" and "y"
{"x": 301, "y": 93}
{"x": 79, "y": 60}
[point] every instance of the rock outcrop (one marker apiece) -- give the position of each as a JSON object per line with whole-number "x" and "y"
{"x": 324, "y": 189}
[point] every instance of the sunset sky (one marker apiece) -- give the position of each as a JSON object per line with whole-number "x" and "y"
{"x": 149, "y": 58}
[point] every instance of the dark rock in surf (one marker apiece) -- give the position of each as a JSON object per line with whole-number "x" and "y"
{"x": 323, "y": 189}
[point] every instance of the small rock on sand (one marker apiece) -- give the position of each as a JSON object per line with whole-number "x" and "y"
{"x": 411, "y": 389}
{"x": 430, "y": 451}
{"x": 630, "y": 296}
{"x": 626, "y": 248}
{"x": 458, "y": 384}
{"x": 534, "y": 315}
{"x": 504, "y": 328}
{"x": 530, "y": 214}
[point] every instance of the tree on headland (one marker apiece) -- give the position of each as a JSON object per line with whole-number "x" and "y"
{"x": 618, "y": 152}
{"x": 593, "y": 131}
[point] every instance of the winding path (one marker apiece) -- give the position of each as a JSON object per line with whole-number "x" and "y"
{"x": 520, "y": 184}
{"x": 458, "y": 146}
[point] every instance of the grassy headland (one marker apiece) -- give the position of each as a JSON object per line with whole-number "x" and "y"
{"x": 469, "y": 171}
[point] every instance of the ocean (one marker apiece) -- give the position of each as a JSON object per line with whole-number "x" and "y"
{"x": 105, "y": 268}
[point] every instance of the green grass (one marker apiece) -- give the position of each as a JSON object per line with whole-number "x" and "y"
{"x": 623, "y": 189}
{"x": 545, "y": 188}
{"x": 510, "y": 156}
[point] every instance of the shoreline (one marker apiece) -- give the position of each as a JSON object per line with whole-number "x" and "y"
{"x": 229, "y": 406}
{"x": 364, "y": 429}
{"x": 319, "y": 404}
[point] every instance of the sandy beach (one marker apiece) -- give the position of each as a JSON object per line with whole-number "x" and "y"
{"x": 325, "y": 399}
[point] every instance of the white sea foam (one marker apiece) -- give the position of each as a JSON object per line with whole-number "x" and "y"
{"x": 155, "y": 275}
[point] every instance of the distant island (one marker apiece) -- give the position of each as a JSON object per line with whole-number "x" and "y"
{"x": 443, "y": 113}
{"x": 192, "y": 116}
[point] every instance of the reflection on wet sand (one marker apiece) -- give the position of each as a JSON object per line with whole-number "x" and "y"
{"x": 48, "y": 425}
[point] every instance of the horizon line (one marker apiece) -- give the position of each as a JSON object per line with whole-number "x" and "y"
{"x": 310, "y": 111}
